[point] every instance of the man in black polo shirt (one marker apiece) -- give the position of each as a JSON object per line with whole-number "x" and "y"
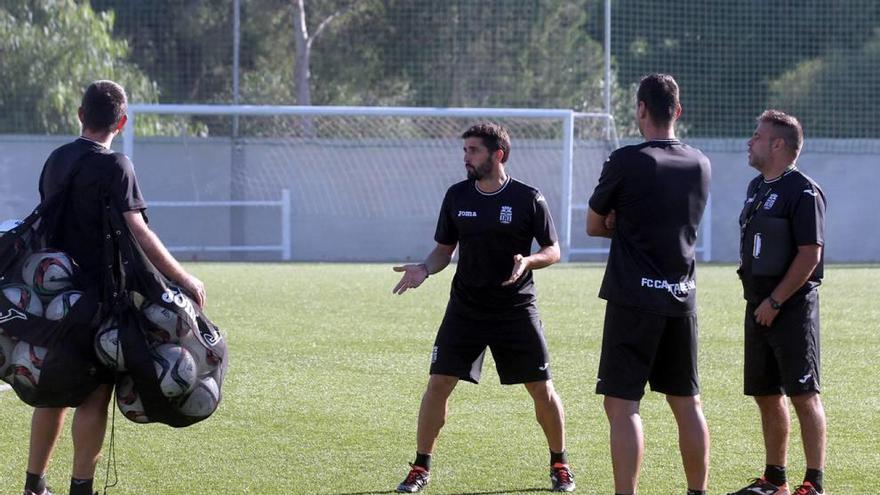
{"x": 783, "y": 229}
{"x": 102, "y": 114}
{"x": 493, "y": 218}
{"x": 649, "y": 201}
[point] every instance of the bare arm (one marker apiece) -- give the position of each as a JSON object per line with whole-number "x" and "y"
{"x": 545, "y": 256}
{"x": 600, "y": 225}
{"x": 796, "y": 276}
{"x": 161, "y": 258}
{"x": 415, "y": 274}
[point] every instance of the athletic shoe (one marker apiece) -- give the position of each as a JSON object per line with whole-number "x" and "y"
{"x": 563, "y": 480}
{"x": 415, "y": 481}
{"x": 807, "y": 489}
{"x": 44, "y": 492}
{"x": 760, "y": 486}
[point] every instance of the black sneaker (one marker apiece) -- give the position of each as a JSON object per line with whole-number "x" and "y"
{"x": 415, "y": 481}
{"x": 563, "y": 480}
{"x": 807, "y": 489}
{"x": 760, "y": 486}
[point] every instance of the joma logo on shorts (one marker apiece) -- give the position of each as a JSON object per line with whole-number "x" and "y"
{"x": 465, "y": 213}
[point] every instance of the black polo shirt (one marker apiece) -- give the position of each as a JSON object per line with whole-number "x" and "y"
{"x": 490, "y": 228}
{"x": 796, "y": 198}
{"x": 659, "y": 190}
{"x": 103, "y": 172}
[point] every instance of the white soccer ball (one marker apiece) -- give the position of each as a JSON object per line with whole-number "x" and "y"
{"x": 24, "y": 298}
{"x": 107, "y": 346}
{"x": 61, "y": 304}
{"x": 7, "y": 345}
{"x": 167, "y": 326}
{"x": 27, "y": 362}
{"x": 203, "y": 399}
{"x": 175, "y": 369}
{"x": 206, "y": 359}
{"x": 48, "y": 272}
{"x": 129, "y": 402}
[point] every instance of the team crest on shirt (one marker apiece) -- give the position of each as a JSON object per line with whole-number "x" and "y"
{"x": 770, "y": 201}
{"x": 506, "y": 214}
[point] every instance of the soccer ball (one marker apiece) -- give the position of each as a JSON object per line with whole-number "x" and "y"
{"x": 206, "y": 359}
{"x": 61, "y": 304}
{"x": 107, "y": 346}
{"x": 27, "y": 361}
{"x": 7, "y": 345}
{"x": 167, "y": 326}
{"x": 24, "y": 298}
{"x": 203, "y": 399}
{"x": 175, "y": 369}
{"x": 129, "y": 402}
{"x": 48, "y": 272}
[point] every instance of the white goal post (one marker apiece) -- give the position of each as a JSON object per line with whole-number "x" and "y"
{"x": 357, "y": 175}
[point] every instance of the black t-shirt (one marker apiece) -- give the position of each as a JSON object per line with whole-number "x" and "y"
{"x": 103, "y": 171}
{"x": 659, "y": 190}
{"x": 796, "y": 198}
{"x": 490, "y": 228}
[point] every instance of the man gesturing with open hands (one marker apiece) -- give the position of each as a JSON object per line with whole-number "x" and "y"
{"x": 492, "y": 219}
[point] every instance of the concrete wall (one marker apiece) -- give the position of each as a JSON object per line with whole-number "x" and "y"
{"x": 378, "y": 200}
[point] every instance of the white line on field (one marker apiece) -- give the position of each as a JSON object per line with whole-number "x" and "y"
{"x": 4, "y": 387}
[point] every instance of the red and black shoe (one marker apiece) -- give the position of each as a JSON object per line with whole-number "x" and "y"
{"x": 562, "y": 478}
{"x": 415, "y": 481}
{"x": 760, "y": 486}
{"x": 807, "y": 489}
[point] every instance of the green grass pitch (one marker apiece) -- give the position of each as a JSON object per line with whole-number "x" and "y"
{"x": 327, "y": 370}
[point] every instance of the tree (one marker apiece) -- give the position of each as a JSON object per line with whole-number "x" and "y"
{"x": 834, "y": 95}
{"x": 303, "y": 41}
{"x": 49, "y": 51}
{"x": 724, "y": 53}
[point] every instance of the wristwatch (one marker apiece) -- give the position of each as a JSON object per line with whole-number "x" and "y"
{"x": 774, "y": 303}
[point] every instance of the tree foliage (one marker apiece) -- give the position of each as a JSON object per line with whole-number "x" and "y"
{"x": 729, "y": 56}
{"x": 49, "y": 51}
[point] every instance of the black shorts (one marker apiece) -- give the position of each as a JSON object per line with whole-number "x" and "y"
{"x": 640, "y": 348}
{"x": 518, "y": 347}
{"x": 784, "y": 357}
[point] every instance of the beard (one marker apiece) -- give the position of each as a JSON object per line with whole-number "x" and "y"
{"x": 478, "y": 172}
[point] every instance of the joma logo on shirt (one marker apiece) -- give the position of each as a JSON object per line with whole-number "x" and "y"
{"x": 465, "y": 213}
{"x": 771, "y": 201}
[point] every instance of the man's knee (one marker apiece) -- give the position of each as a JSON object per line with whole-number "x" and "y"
{"x": 97, "y": 401}
{"x": 440, "y": 386}
{"x": 617, "y": 407}
{"x": 809, "y": 402}
{"x": 542, "y": 391}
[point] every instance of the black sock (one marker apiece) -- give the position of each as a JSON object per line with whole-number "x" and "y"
{"x": 35, "y": 482}
{"x": 696, "y": 492}
{"x": 423, "y": 461}
{"x": 814, "y": 476}
{"x": 775, "y": 474}
{"x": 81, "y": 487}
{"x": 558, "y": 458}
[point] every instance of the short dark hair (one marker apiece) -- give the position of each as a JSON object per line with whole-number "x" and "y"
{"x": 659, "y": 92}
{"x": 103, "y": 106}
{"x": 786, "y": 127}
{"x": 494, "y": 137}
